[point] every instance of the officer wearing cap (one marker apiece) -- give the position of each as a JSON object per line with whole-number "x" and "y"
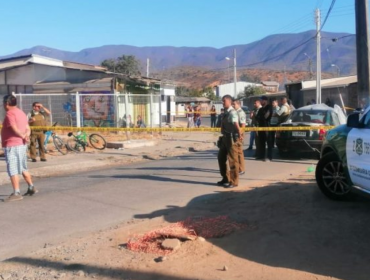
{"x": 242, "y": 121}
{"x": 228, "y": 144}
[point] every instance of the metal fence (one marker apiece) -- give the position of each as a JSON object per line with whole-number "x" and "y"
{"x": 97, "y": 110}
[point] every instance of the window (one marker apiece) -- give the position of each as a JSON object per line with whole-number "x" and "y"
{"x": 367, "y": 120}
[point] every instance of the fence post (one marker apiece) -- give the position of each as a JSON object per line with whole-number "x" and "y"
{"x": 151, "y": 109}
{"x": 116, "y": 108}
{"x": 78, "y": 110}
{"x": 126, "y": 113}
{"x": 20, "y": 101}
{"x": 51, "y": 110}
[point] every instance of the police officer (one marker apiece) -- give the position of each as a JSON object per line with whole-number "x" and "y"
{"x": 242, "y": 121}
{"x": 37, "y": 118}
{"x": 228, "y": 144}
{"x": 263, "y": 120}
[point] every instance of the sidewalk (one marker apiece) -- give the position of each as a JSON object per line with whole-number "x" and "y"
{"x": 169, "y": 145}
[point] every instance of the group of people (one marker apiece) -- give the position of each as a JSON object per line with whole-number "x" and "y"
{"x": 230, "y": 144}
{"x": 267, "y": 114}
{"x": 194, "y": 116}
{"x": 127, "y": 122}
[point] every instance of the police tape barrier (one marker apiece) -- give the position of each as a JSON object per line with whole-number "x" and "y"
{"x": 176, "y": 129}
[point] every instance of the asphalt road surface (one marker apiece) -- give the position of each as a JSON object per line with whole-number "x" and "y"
{"x": 74, "y": 205}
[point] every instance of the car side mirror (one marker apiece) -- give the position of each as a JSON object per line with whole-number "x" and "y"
{"x": 353, "y": 120}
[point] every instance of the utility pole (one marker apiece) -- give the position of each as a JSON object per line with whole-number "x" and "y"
{"x": 147, "y": 67}
{"x": 362, "y": 52}
{"x": 318, "y": 56}
{"x": 235, "y": 95}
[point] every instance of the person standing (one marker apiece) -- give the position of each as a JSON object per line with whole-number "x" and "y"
{"x": 219, "y": 117}
{"x": 274, "y": 122}
{"x": 15, "y": 133}
{"x": 189, "y": 115}
{"x": 229, "y": 142}
{"x": 197, "y": 117}
{"x": 284, "y": 111}
{"x": 242, "y": 121}
{"x": 263, "y": 120}
{"x": 213, "y": 114}
{"x": 253, "y": 134}
{"x": 37, "y": 118}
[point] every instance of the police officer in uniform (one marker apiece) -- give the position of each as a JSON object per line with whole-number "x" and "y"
{"x": 228, "y": 144}
{"x": 242, "y": 121}
{"x": 37, "y": 118}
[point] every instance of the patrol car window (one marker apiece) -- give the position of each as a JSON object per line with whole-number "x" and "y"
{"x": 311, "y": 116}
{"x": 335, "y": 119}
{"x": 367, "y": 120}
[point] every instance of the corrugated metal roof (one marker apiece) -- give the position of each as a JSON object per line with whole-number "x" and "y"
{"x": 43, "y": 60}
{"x": 104, "y": 84}
{"x": 327, "y": 83}
{"x": 270, "y": 83}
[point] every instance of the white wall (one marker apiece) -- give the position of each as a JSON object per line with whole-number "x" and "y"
{"x": 225, "y": 89}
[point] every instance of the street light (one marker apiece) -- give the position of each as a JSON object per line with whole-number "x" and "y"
{"x": 228, "y": 68}
{"x": 235, "y": 79}
{"x": 338, "y": 69}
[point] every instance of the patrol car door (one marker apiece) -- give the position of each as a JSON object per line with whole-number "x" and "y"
{"x": 358, "y": 153}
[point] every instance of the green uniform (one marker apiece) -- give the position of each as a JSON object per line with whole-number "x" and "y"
{"x": 37, "y": 136}
{"x": 229, "y": 148}
{"x": 242, "y": 122}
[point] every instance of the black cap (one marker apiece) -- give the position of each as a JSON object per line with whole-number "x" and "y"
{"x": 264, "y": 98}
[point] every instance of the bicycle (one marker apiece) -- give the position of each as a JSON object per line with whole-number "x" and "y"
{"x": 79, "y": 142}
{"x": 57, "y": 141}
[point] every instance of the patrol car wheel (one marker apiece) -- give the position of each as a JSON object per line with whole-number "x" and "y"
{"x": 331, "y": 179}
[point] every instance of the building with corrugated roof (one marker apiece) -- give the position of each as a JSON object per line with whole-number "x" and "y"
{"x": 333, "y": 91}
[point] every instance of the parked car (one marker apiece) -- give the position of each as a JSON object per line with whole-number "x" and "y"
{"x": 248, "y": 115}
{"x": 310, "y": 140}
{"x": 344, "y": 166}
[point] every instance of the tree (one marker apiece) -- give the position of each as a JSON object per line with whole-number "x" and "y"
{"x": 210, "y": 93}
{"x": 253, "y": 90}
{"x": 246, "y": 78}
{"x": 125, "y": 64}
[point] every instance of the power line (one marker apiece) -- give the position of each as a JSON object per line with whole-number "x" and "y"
{"x": 297, "y": 46}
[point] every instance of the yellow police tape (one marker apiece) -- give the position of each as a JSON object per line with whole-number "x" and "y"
{"x": 176, "y": 129}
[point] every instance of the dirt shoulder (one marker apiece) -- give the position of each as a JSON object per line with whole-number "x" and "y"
{"x": 292, "y": 232}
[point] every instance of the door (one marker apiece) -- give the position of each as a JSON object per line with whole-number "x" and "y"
{"x": 358, "y": 154}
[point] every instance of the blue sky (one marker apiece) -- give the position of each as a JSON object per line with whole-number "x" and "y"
{"x": 73, "y": 25}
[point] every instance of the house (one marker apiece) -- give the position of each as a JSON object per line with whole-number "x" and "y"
{"x": 58, "y": 84}
{"x": 224, "y": 89}
{"x": 333, "y": 91}
{"x": 270, "y": 86}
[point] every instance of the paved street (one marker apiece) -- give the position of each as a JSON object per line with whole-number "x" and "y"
{"x": 74, "y": 205}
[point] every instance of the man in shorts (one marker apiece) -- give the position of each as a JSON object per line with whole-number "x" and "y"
{"x": 15, "y": 134}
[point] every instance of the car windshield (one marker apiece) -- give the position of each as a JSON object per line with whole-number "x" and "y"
{"x": 313, "y": 116}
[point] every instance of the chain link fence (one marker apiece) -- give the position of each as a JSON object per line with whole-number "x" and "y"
{"x": 98, "y": 110}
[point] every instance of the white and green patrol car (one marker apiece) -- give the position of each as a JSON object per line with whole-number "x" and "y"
{"x": 344, "y": 165}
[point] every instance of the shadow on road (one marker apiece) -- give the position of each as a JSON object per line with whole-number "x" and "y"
{"x": 154, "y": 178}
{"x": 296, "y": 227}
{"x": 190, "y": 169}
{"x": 98, "y": 271}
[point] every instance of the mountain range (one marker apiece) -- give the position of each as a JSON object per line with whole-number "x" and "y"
{"x": 337, "y": 49}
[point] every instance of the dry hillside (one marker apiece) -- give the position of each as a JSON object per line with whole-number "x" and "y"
{"x": 196, "y": 77}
